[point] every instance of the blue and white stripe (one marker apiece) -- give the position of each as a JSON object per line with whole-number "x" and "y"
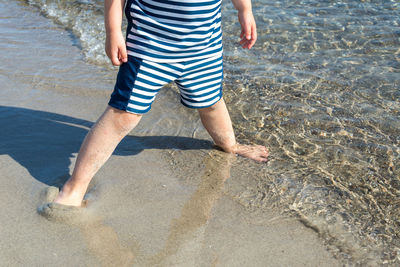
{"x": 174, "y": 30}
{"x": 139, "y": 80}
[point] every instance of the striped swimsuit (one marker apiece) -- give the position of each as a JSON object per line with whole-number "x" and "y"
{"x": 171, "y": 40}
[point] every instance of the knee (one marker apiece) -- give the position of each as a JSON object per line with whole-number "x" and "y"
{"x": 208, "y": 109}
{"x": 211, "y": 108}
{"x": 124, "y": 121}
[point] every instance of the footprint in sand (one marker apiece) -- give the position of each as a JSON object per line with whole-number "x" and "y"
{"x": 63, "y": 213}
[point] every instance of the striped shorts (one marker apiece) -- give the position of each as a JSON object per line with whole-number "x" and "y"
{"x": 138, "y": 82}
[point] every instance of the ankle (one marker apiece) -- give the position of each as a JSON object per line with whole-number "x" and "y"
{"x": 72, "y": 189}
{"x": 70, "y": 197}
{"x": 230, "y": 148}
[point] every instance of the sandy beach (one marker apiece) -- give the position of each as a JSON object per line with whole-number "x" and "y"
{"x": 163, "y": 199}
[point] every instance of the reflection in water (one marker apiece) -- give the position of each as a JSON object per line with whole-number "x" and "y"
{"x": 104, "y": 244}
{"x": 185, "y": 239}
{"x": 184, "y": 242}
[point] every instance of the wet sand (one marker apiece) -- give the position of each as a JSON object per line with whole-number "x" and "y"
{"x": 163, "y": 198}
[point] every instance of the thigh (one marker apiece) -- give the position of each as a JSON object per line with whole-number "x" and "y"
{"x": 138, "y": 83}
{"x": 200, "y": 84}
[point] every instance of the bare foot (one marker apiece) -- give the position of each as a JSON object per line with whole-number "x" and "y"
{"x": 70, "y": 198}
{"x": 254, "y": 152}
{"x": 63, "y": 213}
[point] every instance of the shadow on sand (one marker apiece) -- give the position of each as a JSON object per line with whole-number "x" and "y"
{"x": 44, "y": 142}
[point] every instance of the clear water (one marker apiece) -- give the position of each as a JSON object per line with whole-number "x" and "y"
{"x": 321, "y": 89}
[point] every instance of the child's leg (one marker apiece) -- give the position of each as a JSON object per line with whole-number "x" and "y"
{"x": 218, "y": 124}
{"x": 97, "y": 147}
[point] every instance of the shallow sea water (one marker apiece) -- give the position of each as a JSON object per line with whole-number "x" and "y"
{"x": 321, "y": 89}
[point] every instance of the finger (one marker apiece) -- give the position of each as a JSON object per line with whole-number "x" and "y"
{"x": 251, "y": 43}
{"x": 247, "y": 31}
{"x": 247, "y": 43}
{"x": 241, "y": 34}
{"x": 253, "y": 36}
{"x": 123, "y": 54}
{"x": 243, "y": 43}
{"x": 254, "y": 32}
{"x": 114, "y": 58}
{"x": 246, "y": 37}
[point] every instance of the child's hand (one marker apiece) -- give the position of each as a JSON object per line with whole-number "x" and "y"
{"x": 116, "y": 49}
{"x": 248, "y": 35}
